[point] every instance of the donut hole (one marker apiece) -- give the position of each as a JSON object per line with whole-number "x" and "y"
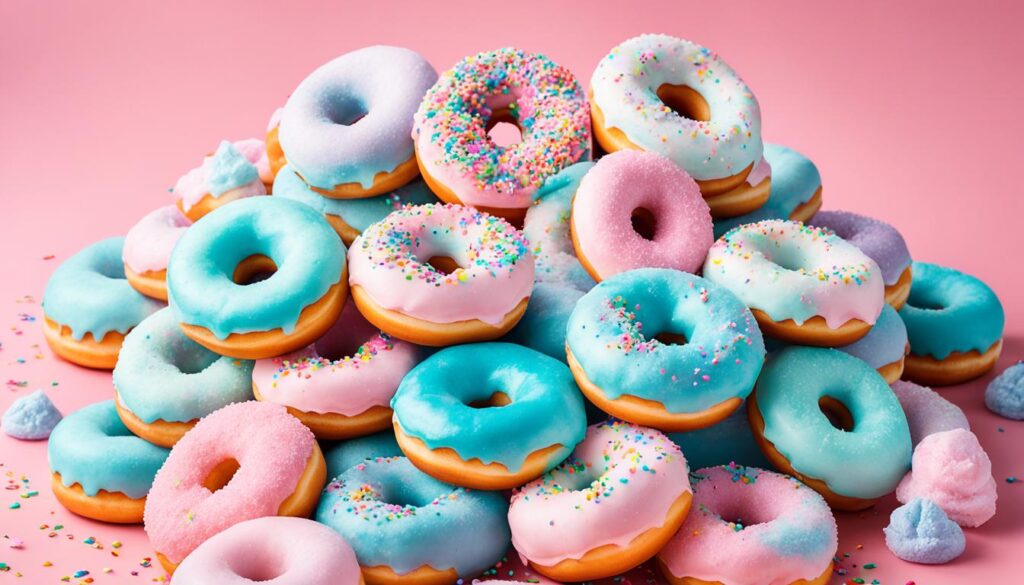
{"x": 113, "y": 271}
{"x": 253, "y": 269}
{"x": 400, "y": 494}
{"x": 338, "y": 347}
{"x": 644, "y": 223}
{"x": 267, "y": 565}
{"x": 194, "y": 362}
{"x": 685, "y": 101}
{"x": 346, "y": 112}
{"x": 221, "y": 475}
{"x": 788, "y": 260}
{"x": 837, "y": 414}
{"x": 495, "y": 400}
{"x": 671, "y": 338}
{"x": 503, "y": 129}
{"x": 443, "y": 264}
{"x": 920, "y": 299}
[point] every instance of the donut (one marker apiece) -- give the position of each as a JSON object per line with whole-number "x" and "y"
{"x": 462, "y": 163}
{"x": 272, "y": 141}
{"x": 349, "y": 217}
{"x": 165, "y": 382}
{"x": 100, "y": 469}
{"x": 88, "y": 306}
{"x": 546, "y": 319}
{"x": 927, "y": 412}
{"x": 546, "y": 226}
{"x": 225, "y": 176}
{"x": 341, "y": 385}
{"x": 346, "y": 128}
{"x": 740, "y": 200}
{"x": 658, "y": 93}
{"x": 441, "y": 274}
{"x": 488, "y": 416}
{"x": 730, "y": 441}
{"x": 881, "y": 242}
{"x": 830, "y": 420}
{"x": 217, "y": 476}
{"x": 663, "y": 348}
{"x": 218, "y": 285}
{"x": 343, "y": 455}
{"x": 637, "y": 209}
{"x": 955, "y": 325}
{"x": 275, "y": 549}
{"x": 805, "y": 285}
{"x": 147, "y": 250}
{"x": 749, "y": 526}
{"x": 409, "y": 528}
{"x": 612, "y": 505}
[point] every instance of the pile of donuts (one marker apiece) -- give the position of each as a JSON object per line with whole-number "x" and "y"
{"x": 631, "y": 335}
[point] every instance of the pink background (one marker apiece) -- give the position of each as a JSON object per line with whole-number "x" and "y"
{"x": 911, "y": 111}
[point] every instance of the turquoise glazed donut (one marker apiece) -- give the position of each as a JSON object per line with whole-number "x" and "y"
{"x": 346, "y": 454}
{"x": 89, "y": 306}
{"x": 955, "y": 325}
{"x": 165, "y": 382}
{"x": 100, "y": 469}
{"x": 514, "y": 410}
{"x": 546, "y": 318}
{"x": 730, "y": 441}
{"x": 400, "y": 520}
{"x": 211, "y": 284}
{"x": 664, "y": 348}
{"x": 830, "y": 420}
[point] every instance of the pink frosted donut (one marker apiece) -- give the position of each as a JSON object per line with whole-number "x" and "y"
{"x": 147, "y": 249}
{"x": 244, "y": 461}
{"x": 751, "y": 527}
{"x": 275, "y": 549}
{"x": 637, "y": 209}
{"x": 348, "y": 376}
{"x": 621, "y": 482}
{"x": 229, "y": 174}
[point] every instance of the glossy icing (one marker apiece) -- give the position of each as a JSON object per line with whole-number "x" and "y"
{"x": 730, "y": 441}
{"x": 346, "y": 454}
{"x": 148, "y": 244}
{"x": 228, "y": 170}
{"x": 547, "y": 228}
{"x": 544, "y": 324}
{"x": 879, "y": 240}
{"x": 885, "y": 343}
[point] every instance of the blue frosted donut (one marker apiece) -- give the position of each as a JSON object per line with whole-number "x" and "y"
{"x": 955, "y": 325}
{"x": 89, "y": 306}
{"x": 626, "y": 364}
{"x": 399, "y": 519}
{"x": 730, "y": 441}
{"x": 544, "y": 323}
{"x": 165, "y": 382}
{"x": 210, "y": 278}
{"x": 514, "y": 409}
{"x": 100, "y": 469}
{"x": 831, "y": 420}
{"x": 345, "y": 454}
{"x": 547, "y": 228}
{"x": 347, "y": 128}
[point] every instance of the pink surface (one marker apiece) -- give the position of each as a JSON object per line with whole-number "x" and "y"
{"x": 910, "y": 110}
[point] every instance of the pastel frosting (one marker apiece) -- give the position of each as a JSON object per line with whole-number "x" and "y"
{"x": 309, "y": 255}
{"x": 879, "y": 240}
{"x": 31, "y": 417}
{"x": 624, "y": 87}
{"x": 395, "y": 515}
{"x": 389, "y": 260}
{"x": 949, "y": 311}
{"x": 744, "y": 517}
{"x": 255, "y": 151}
{"x": 1004, "y": 394}
{"x": 433, "y": 404}
{"x": 352, "y": 117}
{"x": 613, "y": 331}
{"x": 88, "y": 293}
{"x": 352, "y": 368}
{"x": 730, "y": 441}
{"x": 927, "y": 411}
{"x": 920, "y": 532}
{"x": 952, "y": 469}
{"x": 346, "y": 454}
{"x": 181, "y": 513}
{"x": 547, "y": 227}
{"x": 875, "y": 453}
{"x": 228, "y": 170}
{"x": 275, "y": 549}
{"x": 161, "y": 374}
{"x": 91, "y": 447}
{"x": 546, "y": 320}
{"x": 148, "y": 244}
{"x": 607, "y": 199}
{"x": 792, "y": 271}
{"x": 885, "y": 343}
{"x": 590, "y": 500}
{"x": 451, "y": 126}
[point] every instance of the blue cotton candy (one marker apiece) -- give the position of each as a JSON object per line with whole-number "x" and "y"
{"x": 230, "y": 170}
{"x": 1005, "y": 395}
{"x": 920, "y": 532}
{"x": 31, "y": 417}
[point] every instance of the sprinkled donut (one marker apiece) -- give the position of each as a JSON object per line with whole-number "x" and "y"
{"x": 547, "y": 228}
{"x": 462, "y": 164}
{"x": 214, "y": 287}
{"x": 679, "y": 99}
{"x": 612, "y": 505}
{"x": 100, "y": 469}
{"x": 88, "y": 306}
{"x": 227, "y": 175}
{"x": 165, "y": 382}
{"x": 751, "y": 527}
{"x": 664, "y": 348}
{"x": 407, "y": 527}
{"x": 147, "y": 250}
{"x": 274, "y": 549}
{"x": 460, "y": 415}
{"x": 636, "y": 209}
{"x": 441, "y": 274}
{"x": 830, "y": 420}
{"x": 804, "y": 284}
{"x": 955, "y": 325}
{"x": 344, "y": 455}
{"x": 341, "y": 385}
{"x": 346, "y": 128}
{"x": 216, "y": 476}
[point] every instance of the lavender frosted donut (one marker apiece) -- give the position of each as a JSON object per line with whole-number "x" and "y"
{"x": 928, "y": 412}
{"x": 346, "y": 128}
{"x": 147, "y": 249}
